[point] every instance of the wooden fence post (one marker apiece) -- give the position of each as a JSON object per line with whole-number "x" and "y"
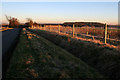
{"x": 32, "y": 26}
{"x": 108, "y": 36}
{"x": 93, "y": 37}
{"x": 50, "y": 28}
{"x": 105, "y": 32}
{"x": 87, "y": 30}
{"x": 40, "y": 27}
{"x": 44, "y": 26}
{"x": 58, "y": 28}
{"x": 73, "y": 29}
{"x": 87, "y": 33}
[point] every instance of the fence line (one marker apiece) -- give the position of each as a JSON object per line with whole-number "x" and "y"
{"x": 74, "y": 31}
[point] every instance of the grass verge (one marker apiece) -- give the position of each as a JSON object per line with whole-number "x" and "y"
{"x": 105, "y": 60}
{"x": 36, "y": 57}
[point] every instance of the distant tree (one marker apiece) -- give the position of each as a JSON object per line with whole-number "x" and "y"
{"x": 35, "y": 24}
{"x": 30, "y": 22}
{"x": 13, "y": 22}
{"x": 26, "y": 24}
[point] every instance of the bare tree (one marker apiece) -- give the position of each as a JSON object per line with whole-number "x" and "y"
{"x": 13, "y": 22}
{"x": 30, "y": 22}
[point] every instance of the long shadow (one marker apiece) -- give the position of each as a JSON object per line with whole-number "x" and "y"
{"x": 6, "y": 55}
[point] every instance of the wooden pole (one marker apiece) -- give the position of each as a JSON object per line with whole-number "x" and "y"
{"x": 108, "y": 36}
{"x": 87, "y": 33}
{"x": 105, "y": 33}
{"x": 73, "y": 29}
{"x": 93, "y": 37}
{"x": 44, "y": 26}
{"x": 87, "y": 30}
{"x": 40, "y": 27}
{"x": 58, "y": 28}
{"x": 50, "y": 28}
{"x": 32, "y": 26}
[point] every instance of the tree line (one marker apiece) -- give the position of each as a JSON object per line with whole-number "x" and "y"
{"x": 14, "y": 22}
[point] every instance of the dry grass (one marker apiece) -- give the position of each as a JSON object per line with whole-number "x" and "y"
{"x": 5, "y": 28}
{"x": 91, "y": 40}
{"x": 106, "y": 60}
{"x": 113, "y": 33}
{"x": 99, "y": 33}
{"x": 36, "y": 57}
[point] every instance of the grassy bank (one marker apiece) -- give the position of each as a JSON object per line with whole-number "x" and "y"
{"x": 105, "y": 60}
{"x": 36, "y": 57}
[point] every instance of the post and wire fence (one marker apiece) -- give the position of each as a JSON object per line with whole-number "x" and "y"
{"x": 102, "y": 34}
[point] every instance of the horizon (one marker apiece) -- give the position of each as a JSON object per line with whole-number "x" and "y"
{"x": 60, "y": 12}
{"x": 63, "y": 23}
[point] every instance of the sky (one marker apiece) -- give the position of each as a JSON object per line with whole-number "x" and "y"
{"x": 59, "y": 12}
{"x": 59, "y": 0}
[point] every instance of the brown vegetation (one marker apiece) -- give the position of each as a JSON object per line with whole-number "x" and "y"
{"x": 114, "y": 34}
{"x": 13, "y": 22}
{"x": 104, "y": 59}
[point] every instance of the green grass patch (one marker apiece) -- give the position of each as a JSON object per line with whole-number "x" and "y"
{"x": 37, "y": 57}
{"x": 23, "y": 51}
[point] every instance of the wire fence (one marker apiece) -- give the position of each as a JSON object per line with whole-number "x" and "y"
{"x": 105, "y": 35}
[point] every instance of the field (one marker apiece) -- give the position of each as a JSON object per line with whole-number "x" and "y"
{"x": 104, "y": 59}
{"x": 36, "y": 57}
{"x": 43, "y": 54}
{"x": 113, "y": 35}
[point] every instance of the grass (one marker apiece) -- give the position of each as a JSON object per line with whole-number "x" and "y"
{"x": 17, "y": 64}
{"x": 36, "y": 57}
{"x": 111, "y": 42}
{"x": 106, "y": 60}
{"x": 111, "y": 33}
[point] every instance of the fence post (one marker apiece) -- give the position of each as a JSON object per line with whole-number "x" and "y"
{"x": 87, "y": 30}
{"x": 105, "y": 32}
{"x": 108, "y": 36}
{"x": 93, "y": 37}
{"x": 50, "y": 28}
{"x": 32, "y": 26}
{"x": 58, "y": 28}
{"x": 44, "y": 26}
{"x": 39, "y": 27}
{"x": 73, "y": 29}
{"x": 87, "y": 33}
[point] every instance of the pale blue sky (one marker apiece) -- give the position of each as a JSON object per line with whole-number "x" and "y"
{"x": 59, "y": 12}
{"x": 59, "y": 0}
